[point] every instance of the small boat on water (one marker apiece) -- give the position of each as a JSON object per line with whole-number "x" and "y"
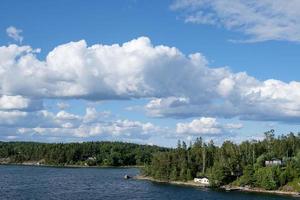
{"x": 127, "y": 176}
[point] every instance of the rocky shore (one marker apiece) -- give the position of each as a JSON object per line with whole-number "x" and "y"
{"x": 226, "y": 188}
{"x": 260, "y": 190}
{"x": 187, "y": 183}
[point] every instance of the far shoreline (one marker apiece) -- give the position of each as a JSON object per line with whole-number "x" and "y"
{"x": 68, "y": 166}
{"x": 223, "y": 188}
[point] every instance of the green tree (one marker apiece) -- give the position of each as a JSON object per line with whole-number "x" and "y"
{"x": 247, "y": 178}
{"x": 217, "y": 175}
{"x": 189, "y": 174}
{"x": 173, "y": 174}
{"x": 264, "y": 178}
{"x": 182, "y": 174}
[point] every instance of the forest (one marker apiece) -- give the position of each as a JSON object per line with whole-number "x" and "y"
{"x": 86, "y": 153}
{"x": 273, "y": 163}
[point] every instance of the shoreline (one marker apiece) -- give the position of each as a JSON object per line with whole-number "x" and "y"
{"x": 68, "y": 166}
{"x": 188, "y": 183}
{"x": 224, "y": 188}
{"x": 260, "y": 190}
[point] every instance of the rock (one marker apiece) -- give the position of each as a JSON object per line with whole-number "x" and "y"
{"x": 288, "y": 188}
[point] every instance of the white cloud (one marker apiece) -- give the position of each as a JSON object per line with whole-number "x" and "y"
{"x": 205, "y": 126}
{"x": 118, "y": 129}
{"x": 260, "y": 20}
{"x": 177, "y": 85}
{"x": 245, "y": 97}
{"x": 17, "y": 118}
{"x": 233, "y": 126}
{"x": 11, "y": 117}
{"x": 14, "y": 33}
{"x": 11, "y": 137}
{"x": 62, "y": 105}
{"x": 225, "y": 86}
{"x": 91, "y": 115}
{"x": 156, "y": 107}
{"x": 13, "y": 102}
{"x": 63, "y": 115}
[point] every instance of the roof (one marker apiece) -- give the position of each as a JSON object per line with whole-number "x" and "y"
{"x": 202, "y": 177}
{"x": 273, "y": 160}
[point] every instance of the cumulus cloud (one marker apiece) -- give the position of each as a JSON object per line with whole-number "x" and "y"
{"x": 260, "y": 20}
{"x": 11, "y": 117}
{"x": 177, "y": 85}
{"x": 13, "y": 102}
{"x": 93, "y": 115}
{"x": 134, "y": 70}
{"x": 205, "y": 126}
{"x": 14, "y": 33}
{"x": 118, "y": 129}
{"x": 19, "y": 103}
{"x": 249, "y": 99}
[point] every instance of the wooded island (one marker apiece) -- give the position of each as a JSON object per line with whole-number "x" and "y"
{"x": 271, "y": 164}
{"x": 77, "y": 154}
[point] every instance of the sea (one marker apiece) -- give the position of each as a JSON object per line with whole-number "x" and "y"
{"x": 38, "y": 182}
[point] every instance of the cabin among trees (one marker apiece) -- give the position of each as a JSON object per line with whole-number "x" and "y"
{"x": 273, "y": 162}
{"x": 202, "y": 180}
{"x": 250, "y": 163}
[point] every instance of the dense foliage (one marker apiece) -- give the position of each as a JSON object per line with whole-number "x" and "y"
{"x": 87, "y": 153}
{"x": 242, "y": 164}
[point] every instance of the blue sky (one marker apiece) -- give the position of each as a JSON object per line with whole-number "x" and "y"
{"x": 262, "y": 46}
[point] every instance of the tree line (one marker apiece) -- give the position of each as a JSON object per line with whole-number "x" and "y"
{"x": 235, "y": 164}
{"x": 86, "y": 153}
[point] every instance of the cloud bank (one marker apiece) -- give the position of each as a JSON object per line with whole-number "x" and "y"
{"x": 177, "y": 85}
{"x": 64, "y": 125}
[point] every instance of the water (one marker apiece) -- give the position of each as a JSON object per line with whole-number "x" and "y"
{"x": 26, "y": 182}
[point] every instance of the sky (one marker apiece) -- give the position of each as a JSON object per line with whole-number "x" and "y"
{"x": 149, "y": 72}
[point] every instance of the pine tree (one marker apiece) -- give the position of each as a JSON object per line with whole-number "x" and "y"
{"x": 182, "y": 175}
{"x": 173, "y": 174}
{"x": 189, "y": 174}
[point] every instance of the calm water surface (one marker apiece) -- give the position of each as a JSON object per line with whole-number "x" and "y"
{"x": 25, "y": 182}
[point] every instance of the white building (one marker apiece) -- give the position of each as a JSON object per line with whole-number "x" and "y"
{"x": 273, "y": 162}
{"x": 202, "y": 180}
